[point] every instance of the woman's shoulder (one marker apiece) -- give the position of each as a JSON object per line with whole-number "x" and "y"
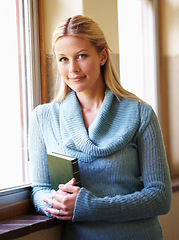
{"x": 140, "y": 109}
{"x": 142, "y": 112}
{"x": 45, "y": 111}
{"x": 147, "y": 116}
{"x": 145, "y": 110}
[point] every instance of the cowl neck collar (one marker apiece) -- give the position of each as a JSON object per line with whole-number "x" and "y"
{"x": 113, "y": 128}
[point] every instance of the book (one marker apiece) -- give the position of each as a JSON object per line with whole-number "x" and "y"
{"x": 62, "y": 169}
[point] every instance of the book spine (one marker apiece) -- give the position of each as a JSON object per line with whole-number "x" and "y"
{"x": 76, "y": 172}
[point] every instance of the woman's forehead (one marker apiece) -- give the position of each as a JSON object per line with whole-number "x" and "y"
{"x": 72, "y": 44}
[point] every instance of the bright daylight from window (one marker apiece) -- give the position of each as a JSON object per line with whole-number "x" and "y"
{"x": 137, "y": 48}
{"x": 13, "y": 145}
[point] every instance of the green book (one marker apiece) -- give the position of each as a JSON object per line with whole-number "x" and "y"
{"x": 62, "y": 169}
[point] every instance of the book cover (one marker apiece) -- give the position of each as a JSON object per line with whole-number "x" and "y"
{"x": 62, "y": 168}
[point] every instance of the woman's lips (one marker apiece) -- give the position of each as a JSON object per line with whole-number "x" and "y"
{"x": 77, "y": 78}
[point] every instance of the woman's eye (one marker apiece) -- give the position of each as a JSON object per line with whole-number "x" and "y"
{"x": 82, "y": 56}
{"x": 63, "y": 59}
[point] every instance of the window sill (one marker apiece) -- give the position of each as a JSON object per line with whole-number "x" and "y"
{"x": 25, "y": 224}
{"x": 17, "y": 217}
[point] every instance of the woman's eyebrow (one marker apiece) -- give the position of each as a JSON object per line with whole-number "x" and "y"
{"x": 81, "y": 50}
{"x": 60, "y": 54}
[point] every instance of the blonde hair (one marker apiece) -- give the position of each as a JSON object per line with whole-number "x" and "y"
{"x": 86, "y": 28}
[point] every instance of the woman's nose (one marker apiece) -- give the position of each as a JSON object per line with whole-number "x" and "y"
{"x": 74, "y": 66}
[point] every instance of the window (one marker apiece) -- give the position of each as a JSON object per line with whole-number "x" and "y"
{"x": 20, "y": 87}
{"x": 137, "y": 49}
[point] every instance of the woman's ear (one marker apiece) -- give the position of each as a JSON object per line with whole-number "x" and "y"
{"x": 103, "y": 56}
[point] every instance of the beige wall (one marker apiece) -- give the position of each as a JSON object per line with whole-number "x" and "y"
{"x": 171, "y": 23}
{"x": 104, "y": 12}
{"x": 47, "y": 234}
{"x": 171, "y": 54}
{"x": 55, "y": 11}
{"x": 170, "y": 222}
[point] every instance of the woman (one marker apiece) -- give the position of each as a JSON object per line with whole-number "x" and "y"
{"x": 115, "y": 136}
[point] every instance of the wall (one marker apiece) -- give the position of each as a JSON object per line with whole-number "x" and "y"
{"x": 51, "y": 233}
{"x": 55, "y": 11}
{"x": 169, "y": 222}
{"x": 171, "y": 23}
{"x": 171, "y": 54}
{"x": 104, "y": 12}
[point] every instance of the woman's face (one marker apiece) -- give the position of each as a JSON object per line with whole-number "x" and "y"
{"x": 79, "y": 63}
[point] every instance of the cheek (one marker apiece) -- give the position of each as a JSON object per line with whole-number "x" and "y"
{"x": 92, "y": 68}
{"x": 62, "y": 70}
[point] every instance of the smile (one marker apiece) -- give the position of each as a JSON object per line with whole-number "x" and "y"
{"x": 77, "y": 78}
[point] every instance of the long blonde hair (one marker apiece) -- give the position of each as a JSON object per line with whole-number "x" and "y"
{"x": 86, "y": 28}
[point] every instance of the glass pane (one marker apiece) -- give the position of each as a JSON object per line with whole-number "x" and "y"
{"x": 137, "y": 49}
{"x": 11, "y": 120}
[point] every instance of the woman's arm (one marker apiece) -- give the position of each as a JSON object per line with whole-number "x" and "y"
{"x": 41, "y": 187}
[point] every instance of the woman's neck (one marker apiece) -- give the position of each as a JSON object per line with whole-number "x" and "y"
{"x": 90, "y": 103}
{"x": 92, "y": 100}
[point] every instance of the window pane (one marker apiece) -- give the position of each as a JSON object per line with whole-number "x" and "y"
{"x": 11, "y": 99}
{"x": 137, "y": 49}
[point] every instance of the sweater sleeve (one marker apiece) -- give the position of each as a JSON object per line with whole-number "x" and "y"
{"x": 37, "y": 153}
{"x": 153, "y": 200}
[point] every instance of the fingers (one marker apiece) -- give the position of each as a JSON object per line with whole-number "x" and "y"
{"x": 63, "y": 201}
{"x": 63, "y": 208}
{"x": 69, "y": 188}
{"x": 59, "y": 212}
{"x": 57, "y": 200}
{"x": 71, "y": 182}
{"x": 52, "y": 202}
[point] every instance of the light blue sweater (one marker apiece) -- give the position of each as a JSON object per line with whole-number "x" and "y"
{"x": 123, "y": 144}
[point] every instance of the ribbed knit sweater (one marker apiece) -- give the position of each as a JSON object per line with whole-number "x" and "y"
{"x": 123, "y": 168}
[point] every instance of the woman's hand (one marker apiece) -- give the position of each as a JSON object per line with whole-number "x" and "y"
{"x": 63, "y": 201}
